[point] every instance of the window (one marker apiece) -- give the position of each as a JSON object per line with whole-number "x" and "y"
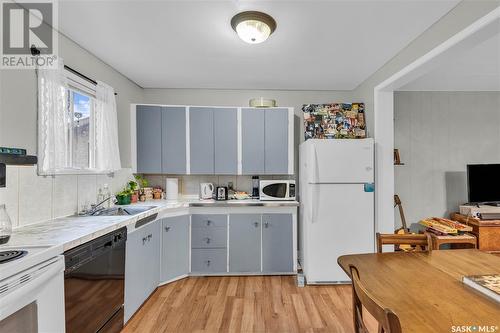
{"x": 81, "y": 130}
{"x": 77, "y": 124}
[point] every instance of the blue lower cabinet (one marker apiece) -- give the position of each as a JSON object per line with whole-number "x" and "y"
{"x": 244, "y": 243}
{"x": 277, "y": 243}
{"x": 142, "y": 269}
{"x": 209, "y": 237}
{"x": 208, "y": 243}
{"x": 175, "y": 247}
{"x": 209, "y": 260}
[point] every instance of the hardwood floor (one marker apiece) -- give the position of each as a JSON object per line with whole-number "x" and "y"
{"x": 244, "y": 304}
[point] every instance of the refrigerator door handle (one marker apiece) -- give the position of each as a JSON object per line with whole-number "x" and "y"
{"x": 313, "y": 204}
{"x": 315, "y": 168}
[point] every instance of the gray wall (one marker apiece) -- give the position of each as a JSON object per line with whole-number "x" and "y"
{"x": 18, "y": 104}
{"x": 438, "y": 134}
{"x": 457, "y": 19}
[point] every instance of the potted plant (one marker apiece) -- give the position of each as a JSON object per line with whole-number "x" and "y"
{"x": 146, "y": 193}
{"x": 124, "y": 197}
{"x": 142, "y": 181}
{"x": 134, "y": 187}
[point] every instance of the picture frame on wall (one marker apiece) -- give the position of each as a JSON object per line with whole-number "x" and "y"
{"x": 334, "y": 121}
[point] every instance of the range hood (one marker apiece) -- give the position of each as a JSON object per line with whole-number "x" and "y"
{"x": 12, "y": 159}
{"x": 13, "y": 156}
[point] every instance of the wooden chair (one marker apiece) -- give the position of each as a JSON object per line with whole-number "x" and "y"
{"x": 418, "y": 242}
{"x": 388, "y": 321}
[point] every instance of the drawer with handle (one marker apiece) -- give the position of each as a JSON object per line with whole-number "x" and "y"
{"x": 208, "y": 237}
{"x": 209, "y": 260}
{"x": 208, "y": 220}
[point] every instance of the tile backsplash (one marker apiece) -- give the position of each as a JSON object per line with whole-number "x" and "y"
{"x": 30, "y": 198}
{"x": 189, "y": 185}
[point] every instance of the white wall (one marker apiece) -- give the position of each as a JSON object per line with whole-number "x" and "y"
{"x": 438, "y": 134}
{"x": 457, "y": 19}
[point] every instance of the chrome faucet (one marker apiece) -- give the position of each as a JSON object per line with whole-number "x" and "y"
{"x": 94, "y": 208}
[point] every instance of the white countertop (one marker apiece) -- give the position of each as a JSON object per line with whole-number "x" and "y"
{"x": 69, "y": 232}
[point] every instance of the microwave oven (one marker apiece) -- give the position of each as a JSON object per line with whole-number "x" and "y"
{"x": 277, "y": 190}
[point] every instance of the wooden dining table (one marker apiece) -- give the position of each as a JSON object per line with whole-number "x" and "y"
{"x": 426, "y": 291}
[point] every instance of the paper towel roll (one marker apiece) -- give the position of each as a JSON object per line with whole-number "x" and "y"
{"x": 172, "y": 188}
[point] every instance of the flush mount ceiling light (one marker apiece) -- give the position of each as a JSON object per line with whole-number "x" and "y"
{"x": 253, "y": 27}
{"x": 262, "y": 102}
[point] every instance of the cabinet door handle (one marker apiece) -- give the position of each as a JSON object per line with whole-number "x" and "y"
{"x": 266, "y": 224}
{"x": 208, "y": 262}
{"x": 149, "y": 237}
{"x": 209, "y": 222}
{"x": 144, "y": 239}
{"x": 167, "y": 229}
{"x": 256, "y": 224}
{"x": 207, "y": 240}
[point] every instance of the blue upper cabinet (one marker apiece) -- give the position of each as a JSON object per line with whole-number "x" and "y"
{"x": 276, "y": 141}
{"x": 226, "y": 141}
{"x": 149, "y": 145}
{"x": 201, "y": 140}
{"x": 221, "y": 141}
{"x": 264, "y": 141}
{"x": 173, "y": 139}
{"x": 252, "y": 141}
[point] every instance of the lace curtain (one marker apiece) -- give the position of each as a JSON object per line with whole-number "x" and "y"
{"x": 53, "y": 120}
{"x": 106, "y": 127}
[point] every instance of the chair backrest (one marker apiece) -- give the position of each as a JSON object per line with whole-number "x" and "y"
{"x": 420, "y": 242}
{"x": 387, "y": 319}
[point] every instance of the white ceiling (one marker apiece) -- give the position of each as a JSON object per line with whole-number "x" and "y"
{"x": 318, "y": 45}
{"x": 477, "y": 69}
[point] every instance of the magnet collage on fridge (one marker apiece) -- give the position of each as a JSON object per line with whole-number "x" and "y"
{"x": 334, "y": 121}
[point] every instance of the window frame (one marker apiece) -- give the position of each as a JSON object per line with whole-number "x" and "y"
{"x": 92, "y": 144}
{"x": 81, "y": 86}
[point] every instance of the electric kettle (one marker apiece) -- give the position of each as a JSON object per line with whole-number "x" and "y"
{"x": 206, "y": 191}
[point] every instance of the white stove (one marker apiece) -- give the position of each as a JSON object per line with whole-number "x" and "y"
{"x": 31, "y": 289}
{"x": 15, "y": 259}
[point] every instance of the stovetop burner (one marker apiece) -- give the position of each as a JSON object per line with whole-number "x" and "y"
{"x": 6, "y": 256}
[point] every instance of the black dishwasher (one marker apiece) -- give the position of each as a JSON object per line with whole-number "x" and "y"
{"x": 94, "y": 282}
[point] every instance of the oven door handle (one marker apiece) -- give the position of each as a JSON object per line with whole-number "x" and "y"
{"x": 23, "y": 292}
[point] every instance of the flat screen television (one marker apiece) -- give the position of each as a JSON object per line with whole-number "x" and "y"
{"x": 483, "y": 183}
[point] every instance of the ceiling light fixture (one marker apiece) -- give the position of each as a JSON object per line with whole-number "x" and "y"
{"x": 253, "y": 27}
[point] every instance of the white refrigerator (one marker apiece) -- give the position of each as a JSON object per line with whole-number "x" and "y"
{"x": 336, "y": 205}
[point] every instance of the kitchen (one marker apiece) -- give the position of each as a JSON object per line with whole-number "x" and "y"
{"x": 144, "y": 189}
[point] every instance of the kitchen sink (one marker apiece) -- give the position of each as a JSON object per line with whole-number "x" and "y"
{"x": 118, "y": 211}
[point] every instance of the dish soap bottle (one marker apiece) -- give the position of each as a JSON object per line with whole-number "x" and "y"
{"x": 5, "y": 225}
{"x": 100, "y": 196}
{"x": 107, "y": 194}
